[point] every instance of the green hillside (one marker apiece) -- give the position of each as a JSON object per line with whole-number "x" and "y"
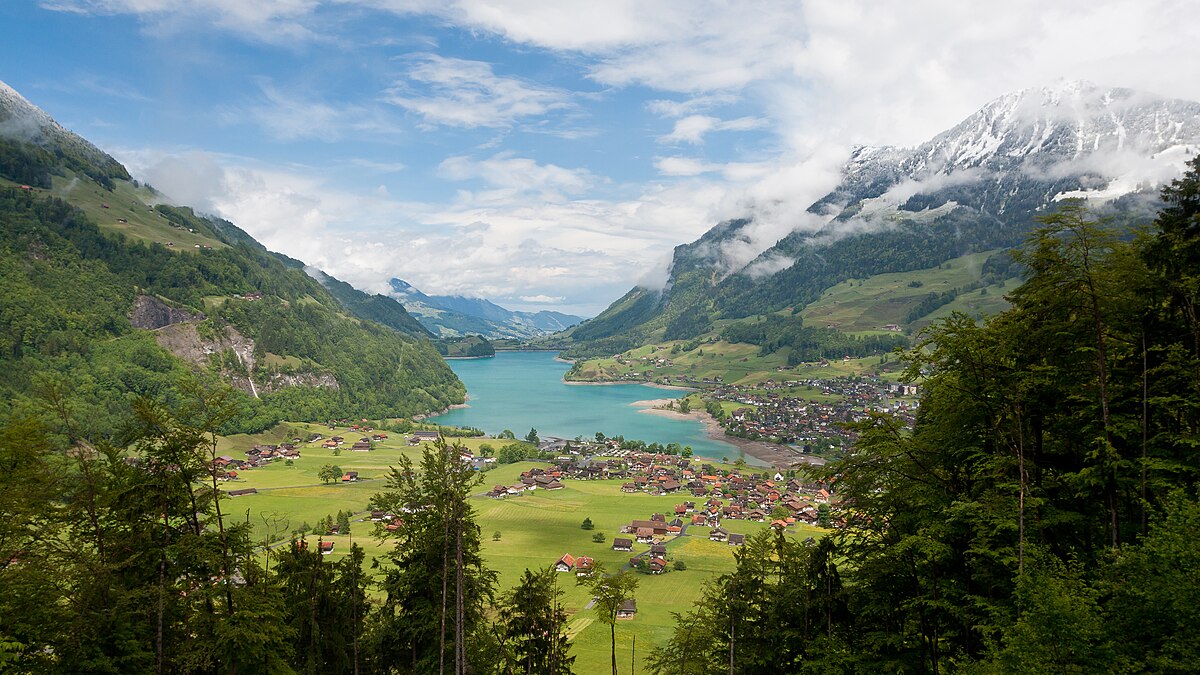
{"x": 850, "y": 319}
{"x": 65, "y": 319}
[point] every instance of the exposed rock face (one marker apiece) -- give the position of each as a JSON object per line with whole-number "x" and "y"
{"x": 185, "y": 341}
{"x": 277, "y": 381}
{"x": 151, "y": 313}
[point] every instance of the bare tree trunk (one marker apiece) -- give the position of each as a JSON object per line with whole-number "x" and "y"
{"x": 1021, "y": 497}
{"x": 1145, "y": 426}
{"x": 460, "y": 640}
{"x": 445, "y": 591}
{"x": 162, "y": 580}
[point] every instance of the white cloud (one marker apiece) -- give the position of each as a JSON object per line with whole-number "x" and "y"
{"x": 575, "y": 253}
{"x": 275, "y": 21}
{"x": 509, "y": 178}
{"x": 691, "y": 129}
{"x": 542, "y": 299}
{"x": 462, "y": 93}
{"x": 818, "y": 76}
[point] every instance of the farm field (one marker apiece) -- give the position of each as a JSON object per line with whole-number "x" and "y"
{"x": 535, "y": 528}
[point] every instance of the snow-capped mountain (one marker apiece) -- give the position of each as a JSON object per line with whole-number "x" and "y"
{"x": 1077, "y": 138}
{"x": 455, "y": 315}
{"x": 975, "y": 187}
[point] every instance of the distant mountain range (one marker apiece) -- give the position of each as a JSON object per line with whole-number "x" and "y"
{"x": 455, "y": 315}
{"x": 976, "y": 187}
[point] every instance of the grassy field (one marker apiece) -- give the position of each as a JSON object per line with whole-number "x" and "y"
{"x": 129, "y": 203}
{"x": 866, "y": 305}
{"x": 535, "y": 529}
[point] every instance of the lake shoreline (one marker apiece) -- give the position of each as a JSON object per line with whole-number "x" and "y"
{"x": 443, "y": 411}
{"x": 776, "y": 456}
{"x": 671, "y": 387}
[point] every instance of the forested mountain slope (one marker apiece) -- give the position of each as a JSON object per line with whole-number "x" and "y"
{"x": 129, "y": 306}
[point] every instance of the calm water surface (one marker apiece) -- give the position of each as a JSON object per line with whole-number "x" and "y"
{"x": 520, "y": 390}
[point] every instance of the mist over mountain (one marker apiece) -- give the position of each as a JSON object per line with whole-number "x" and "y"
{"x": 456, "y": 315}
{"x": 974, "y": 187}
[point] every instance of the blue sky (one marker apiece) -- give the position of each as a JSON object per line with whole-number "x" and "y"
{"x": 543, "y": 155}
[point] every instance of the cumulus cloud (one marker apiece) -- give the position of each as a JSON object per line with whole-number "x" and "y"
{"x": 510, "y": 177}
{"x": 463, "y": 93}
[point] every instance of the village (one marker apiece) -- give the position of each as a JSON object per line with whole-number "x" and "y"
{"x": 776, "y": 411}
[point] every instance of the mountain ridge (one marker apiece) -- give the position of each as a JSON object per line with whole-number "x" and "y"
{"x": 456, "y": 315}
{"x": 974, "y": 187}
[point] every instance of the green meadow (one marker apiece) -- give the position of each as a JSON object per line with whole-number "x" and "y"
{"x": 866, "y": 305}
{"x": 535, "y": 528}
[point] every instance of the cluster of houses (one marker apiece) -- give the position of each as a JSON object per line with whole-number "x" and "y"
{"x": 582, "y": 566}
{"x": 732, "y": 495}
{"x": 227, "y": 467}
{"x": 771, "y": 411}
{"x": 533, "y": 479}
{"x": 363, "y": 444}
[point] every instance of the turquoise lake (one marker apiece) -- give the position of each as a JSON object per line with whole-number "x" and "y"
{"x": 523, "y": 390}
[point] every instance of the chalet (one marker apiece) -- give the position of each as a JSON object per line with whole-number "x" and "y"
{"x": 243, "y": 492}
{"x": 553, "y": 485}
{"x": 737, "y": 539}
{"x": 629, "y": 487}
{"x": 627, "y": 610}
{"x": 658, "y": 550}
{"x": 378, "y": 515}
{"x": 584, "y": 566}
{"x": 565, "y": 564}
{"x": 658, "y": 527}
{"x": 326, "y": 547}
{"x": 778, "y": 525}
{"x": 361, "y": 446}
{"x": 656, "y": 565}
{"x": 718, "y": 534}
{"x": 620, "y": 544}
{"x": 350, "y": 477}
{"x": 645, "y": 535}
{"x": 419, "y": 437}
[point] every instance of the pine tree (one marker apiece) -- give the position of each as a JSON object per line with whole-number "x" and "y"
{"x": 533, "y": 625}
